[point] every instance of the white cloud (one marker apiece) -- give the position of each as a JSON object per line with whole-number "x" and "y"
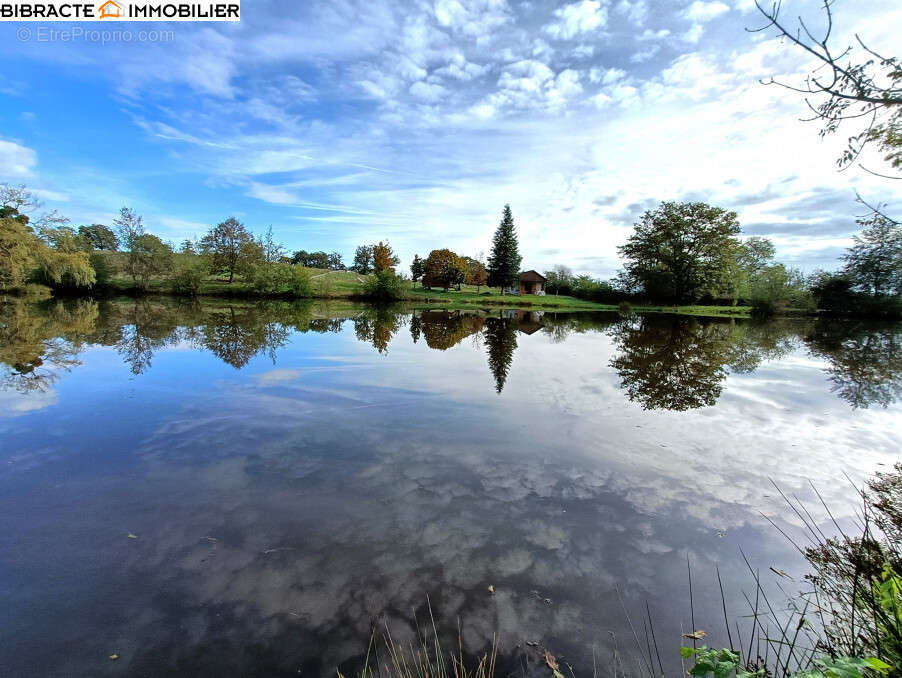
{"x": 17, "y": 160}
{"x": 703, "y": 11}
{"x": 366, "y": 119}
{"x": 645, "y": 55}
{"x": 576, "y": 18}
{"x": 649, "y": 34}
{"x": 427, "y": 92}
{"x": 634, "y": 10}
{"x": 694, "y": 34}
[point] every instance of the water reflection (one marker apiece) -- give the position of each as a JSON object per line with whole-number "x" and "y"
{"x": 37, "y": 342}
{"x": 865, "y": 360}
{"x": 293, "y": 472}
{"x": 673, "y": 363}
{"x": 680, "y": 363}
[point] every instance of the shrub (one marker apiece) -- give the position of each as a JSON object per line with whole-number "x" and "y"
{"x": 383, "y": 286}
{"x": 267, "y": 279}
{"x": 299, "y": 281}
{"x": 763, "y": 308}
{"x": 103, "y": 268}
{"x": 188, "y": 276}
{"x": 625, "y": 308}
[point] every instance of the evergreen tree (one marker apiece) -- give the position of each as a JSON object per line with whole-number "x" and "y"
{"x": 504, "y": 262}
{"x": 501, "y": 341}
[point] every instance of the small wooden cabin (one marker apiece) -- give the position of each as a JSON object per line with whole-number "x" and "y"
{"x": 532, "y": 282}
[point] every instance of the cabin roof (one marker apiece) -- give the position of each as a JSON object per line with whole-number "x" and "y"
{"x": 532, "y": 276}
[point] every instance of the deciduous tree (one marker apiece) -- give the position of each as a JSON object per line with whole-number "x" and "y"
{"x": 443, "y": 268}
{"x": 228, "y": 244}
{"x": 476, "y": 273}
{"x": 874, "y": 262}
{"x": 363, "y": 260}
{"x": 559, "y": 279}
{"x": 130, "y": 225}
{"x": 417, "y": 268}
{"x": 101, "y": 237}
{"x": 148, "y": 256}
{"x": 681, "y": 250}
{"x": 384, "y": 257}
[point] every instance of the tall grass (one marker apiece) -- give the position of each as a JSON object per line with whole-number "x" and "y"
{"x": 425, "y": 658}
{"x": 846, "y": 623}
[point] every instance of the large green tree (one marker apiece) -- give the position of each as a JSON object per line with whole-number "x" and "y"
{"x": 681, "y": 251}
{"x": 148, "y": 256}
{"x": 417, "y": 268}
{"x": 228, "y": 244}
{"x": 24, "y": 256}
{"x": 18, "y": 245}
{"x": 363, "y": 259}
{"x": 504, "y": 261}
{"x": 101, "y": 237}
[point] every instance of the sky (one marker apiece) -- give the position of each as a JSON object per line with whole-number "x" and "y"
{"x": 345, "y": 122}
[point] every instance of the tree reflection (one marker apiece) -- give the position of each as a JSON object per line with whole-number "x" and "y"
{"x": 500, "y": 336}
{"x": 865, "y": 360}
{"x": 680, "y": 363}
{"x": 238, "y": 335}
{"x": 664, "y": 362}
{"x": 674, "y": 365}
{"x": 444, "y": 329}
{"x": 377, "y": 326}
{"x": 38, "y": 340}
{"x": 147, "y": 327}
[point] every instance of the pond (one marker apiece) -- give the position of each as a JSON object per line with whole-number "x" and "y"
{"x": 229, "y": 488}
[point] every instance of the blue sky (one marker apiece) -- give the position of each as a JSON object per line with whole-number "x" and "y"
{"x": 351, "y": 121}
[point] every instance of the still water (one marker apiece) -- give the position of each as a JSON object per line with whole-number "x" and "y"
{"x": 245, "y": 489}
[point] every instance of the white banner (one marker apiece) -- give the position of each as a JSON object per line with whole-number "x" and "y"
{"x": 119, "y": 10}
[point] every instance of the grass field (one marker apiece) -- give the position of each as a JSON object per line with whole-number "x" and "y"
{"x": 347, "y": 285}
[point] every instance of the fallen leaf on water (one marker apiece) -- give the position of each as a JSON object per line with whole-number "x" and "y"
{"x": 132, "y": 536}
{"x": 114, "y": 657}
{"x": 552, "y": 664}
{"x": 695, "y": 635}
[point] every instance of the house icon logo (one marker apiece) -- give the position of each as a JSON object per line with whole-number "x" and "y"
{"x": 110, "y": 9}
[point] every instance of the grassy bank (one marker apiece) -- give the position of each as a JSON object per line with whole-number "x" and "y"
{"x": 347, "y": 285}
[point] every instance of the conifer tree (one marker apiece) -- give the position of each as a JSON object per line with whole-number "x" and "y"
{"x": 504, "y": 261}
{"x": 501, "y": 341}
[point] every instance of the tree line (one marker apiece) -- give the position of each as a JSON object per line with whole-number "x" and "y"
{"x": 685, "y": 253}
{"x": 678, "y": 253}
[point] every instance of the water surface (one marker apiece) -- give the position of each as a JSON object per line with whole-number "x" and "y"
{"x": 244, "y": 489}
